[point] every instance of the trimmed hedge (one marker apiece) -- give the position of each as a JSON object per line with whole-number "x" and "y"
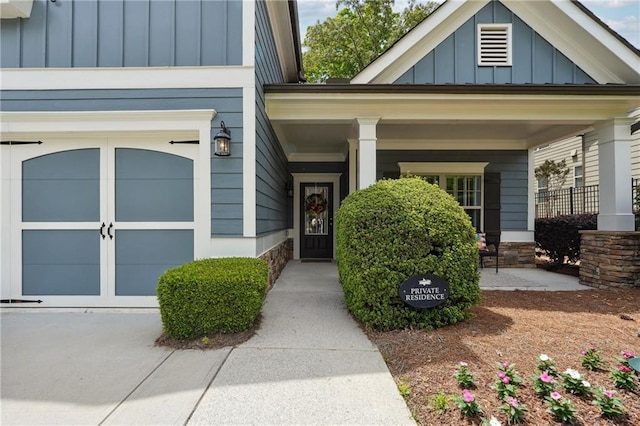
{"x": 558, "y": 237}
{"x": 400, "y": 228}
{"x": 212, "y": 296}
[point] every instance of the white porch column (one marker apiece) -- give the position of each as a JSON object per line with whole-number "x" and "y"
{"x": 614, "y": 151}
{"x": 353, "y": 165}
{"x": 367, "y": 151}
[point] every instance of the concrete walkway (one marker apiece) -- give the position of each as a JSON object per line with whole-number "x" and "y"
{"x": 308, "y": 364}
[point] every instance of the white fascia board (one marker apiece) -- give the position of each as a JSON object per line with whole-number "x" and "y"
{"x": 450, "y": 144}
{"x": 125, "y": 78}
{"x": 581, "y": 39}
{"x": 283, "y": 36}
{"x": 440, "y": 168}
{"x": 425, "y": 37}
{"x": 313, "y": 157}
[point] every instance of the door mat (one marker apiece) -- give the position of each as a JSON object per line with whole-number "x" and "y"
{"x": 316, "y": 260}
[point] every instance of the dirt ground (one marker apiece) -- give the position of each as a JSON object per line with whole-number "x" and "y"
{"x": 517, "y": 327}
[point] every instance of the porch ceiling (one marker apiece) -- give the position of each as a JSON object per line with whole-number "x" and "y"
{"x": 315, "y": 124}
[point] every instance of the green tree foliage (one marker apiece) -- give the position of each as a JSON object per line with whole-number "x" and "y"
{"x": 341, "y": 47}
{"x": 555, "y": 174}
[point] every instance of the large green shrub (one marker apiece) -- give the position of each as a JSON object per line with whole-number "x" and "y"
{"x": 559, "y": 237}
{"x": 400, "y": 228}
{"x": 212, "y": 296}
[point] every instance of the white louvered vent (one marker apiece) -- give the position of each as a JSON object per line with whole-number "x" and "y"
{"x": 494, "y": 44}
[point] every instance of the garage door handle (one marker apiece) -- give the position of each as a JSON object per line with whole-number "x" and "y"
{"x": 102, "y": 231}
{"x": 109, "y": 231}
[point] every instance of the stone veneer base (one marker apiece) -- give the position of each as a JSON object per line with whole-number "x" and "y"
{"x": 610, "y": 259}
{"x": 514, "y": 255}
{"x": 277, "y": 259}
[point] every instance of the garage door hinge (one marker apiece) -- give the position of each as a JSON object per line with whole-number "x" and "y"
{"x": 19, "y": 301}
{"x": 20, "y": 142}
{"x": 185, "y": 142}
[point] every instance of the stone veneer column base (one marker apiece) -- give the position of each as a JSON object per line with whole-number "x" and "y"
{"x": 514, "y": 255}
{"x": 610, "y": 259}
{"x": 277, "y": 259}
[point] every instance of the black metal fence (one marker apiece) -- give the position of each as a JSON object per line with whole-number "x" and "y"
{"x": 580, "y": 200}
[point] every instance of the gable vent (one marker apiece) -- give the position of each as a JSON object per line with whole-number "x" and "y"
{"x": 494, "y": 44}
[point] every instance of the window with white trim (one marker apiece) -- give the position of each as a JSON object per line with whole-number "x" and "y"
{"x": 463, "y": 181}
{"x": 494, "y": 45}
{"x": 577, "y": 177}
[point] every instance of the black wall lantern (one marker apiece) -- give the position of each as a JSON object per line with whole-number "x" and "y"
{"x": 222, "y": 141}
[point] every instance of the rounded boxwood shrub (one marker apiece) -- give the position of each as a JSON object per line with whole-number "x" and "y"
{"x": 396, "y": 229}
{"x": 208, "y": 296}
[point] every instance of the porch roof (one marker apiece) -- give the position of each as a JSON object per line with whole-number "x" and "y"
{"x": 315, "y": 121}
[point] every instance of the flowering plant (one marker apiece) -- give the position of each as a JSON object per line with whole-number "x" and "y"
{"x": 623, "y": 378}
{"x": 510, "y": 371}
{"x": 624, "y": 357}
{"x": 545, "y": 363}
{"x": 591, "y": 359}
{"x": 610, "y": 406}
{"x": 560, "y": 407}
{"x": 515, "y": 411}
{"x": 504, "y": 386}
{"x": 573, "y": 382}
{"x": 468, "y": 404}
{"x": 544, "y": 384}
{"x": 464, "y": 376}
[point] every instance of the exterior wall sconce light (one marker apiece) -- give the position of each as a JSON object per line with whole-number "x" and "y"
{"x": 222, "y": 141}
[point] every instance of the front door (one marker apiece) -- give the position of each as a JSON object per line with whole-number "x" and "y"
{"x": 96, "y": 222}
{"x": 316, "y": 219}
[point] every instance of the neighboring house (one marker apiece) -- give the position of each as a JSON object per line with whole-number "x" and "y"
{"x": 93, "y": 214}
{"x": 579, "y": 193}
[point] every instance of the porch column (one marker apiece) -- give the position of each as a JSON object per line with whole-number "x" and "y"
{"x": 353, "y": 165}
{"x": 367, "y": 151}
{"x": 614, "y": 151}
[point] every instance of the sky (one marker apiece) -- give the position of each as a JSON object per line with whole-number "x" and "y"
{"x": 623, "y": 16}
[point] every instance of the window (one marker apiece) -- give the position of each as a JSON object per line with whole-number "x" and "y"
{"x": 494, "y": 44}
{"x": 543, "y": 186}
{"x": 463, "y": 181}
{"x": 578, "y": 181}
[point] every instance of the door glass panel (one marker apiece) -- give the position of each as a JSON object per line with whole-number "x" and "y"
{"x": 62, "y": 187}
{"x": 316, "y": 211}
{"x": 143, "y": 255}
{"x": 60, "y": 262}
{"x": 153, "y": 186}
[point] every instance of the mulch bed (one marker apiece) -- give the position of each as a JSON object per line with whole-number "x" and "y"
{"x": 517, "y": 327}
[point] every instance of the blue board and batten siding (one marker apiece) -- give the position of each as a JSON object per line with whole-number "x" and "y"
{"x": 226, "y": 173}
{"x": 271, "y": 163}
{"x": 124, "y": 33}
{"x": 534, "y": 60}
{"x": 512, "y": 166}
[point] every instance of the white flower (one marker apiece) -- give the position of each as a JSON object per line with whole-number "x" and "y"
{"x": 586, "y": 384}
{"x": 543, "y": 357}
{"x": 494, "y": 422}
{"x": 572, "y": 373}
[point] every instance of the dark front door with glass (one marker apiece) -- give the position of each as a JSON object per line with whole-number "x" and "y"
{"x": 316, "y": 230}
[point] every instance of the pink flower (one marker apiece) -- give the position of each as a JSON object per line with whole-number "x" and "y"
{"x": 513, "y": 402}
{"x": 555, "y": 396}
{"x": 467, "y": 396}
{"x": 501, "y": 375}
{"x": 464, "y": 364}
{"x": 545, "y": 377}
{"x": 627, "y": 354}
{"x": 505, "y": 364}
{"x": 608, "y": 393}
{"x": 624, "y": 368}
{"x": 505, "y": 380}
{"x": 583, "y": 352}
